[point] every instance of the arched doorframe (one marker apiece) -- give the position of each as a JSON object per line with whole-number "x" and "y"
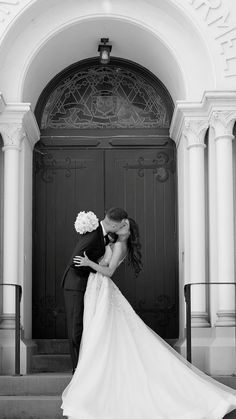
{"x": 157, "y": 136}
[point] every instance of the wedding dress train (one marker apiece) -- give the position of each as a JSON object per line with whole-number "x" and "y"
{"x": 126, "y": 371}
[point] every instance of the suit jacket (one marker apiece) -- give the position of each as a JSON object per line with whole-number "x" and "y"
{"x": 75, "y": 278}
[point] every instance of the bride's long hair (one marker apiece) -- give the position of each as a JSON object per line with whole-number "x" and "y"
{"x": 134, "y": 247}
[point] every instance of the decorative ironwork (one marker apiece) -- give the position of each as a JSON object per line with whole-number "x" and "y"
{"x": 105, "y": 97}
{"x": 162, "y": 310}
{"x": 47, "y": 165}
{"x": 161, "y": 166}
{"x": 45, "y": 311}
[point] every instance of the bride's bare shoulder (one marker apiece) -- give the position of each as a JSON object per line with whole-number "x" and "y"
{"x": 120, "y": 246}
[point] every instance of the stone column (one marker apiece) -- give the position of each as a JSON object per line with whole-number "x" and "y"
{"x": 194, "y": 132}
{"x": 17, "y": 124}
{"x": 12, "y": 135}
{"x": 222, "y": 123}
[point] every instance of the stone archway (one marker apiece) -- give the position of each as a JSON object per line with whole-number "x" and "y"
{"x": 181, "y": 50}
{"x": 106, "y": 127}
{"x": 55, "y": 38}
{"x": 159, "y": 28}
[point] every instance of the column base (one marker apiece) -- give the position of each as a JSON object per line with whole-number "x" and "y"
{"x": 201, "y": 341}
{"x": 222, "y": 352}
{"x": 7, "y": 353}
{"x": 199, "y": 319}
{"x": 226, "y": 318}
{"x": 213, "y": 350}
{"x": 7, "y": 321}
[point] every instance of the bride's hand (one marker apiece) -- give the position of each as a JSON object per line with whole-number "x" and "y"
{"x": 81, "y": 261}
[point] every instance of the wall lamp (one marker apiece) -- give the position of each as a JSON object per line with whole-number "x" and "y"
{"x": 104, "y": 50}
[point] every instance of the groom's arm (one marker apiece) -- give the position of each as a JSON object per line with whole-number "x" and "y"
{"x": 85, "y": 244}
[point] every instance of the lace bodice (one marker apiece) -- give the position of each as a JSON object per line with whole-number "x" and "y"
{"x": 105, "y": 260}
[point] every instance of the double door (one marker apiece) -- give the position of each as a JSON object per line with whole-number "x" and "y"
{"x": 141, "y": 180}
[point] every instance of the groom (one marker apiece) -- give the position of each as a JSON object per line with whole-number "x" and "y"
{"x": 74, "y": 280}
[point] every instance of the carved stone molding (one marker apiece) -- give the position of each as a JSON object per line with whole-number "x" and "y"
{"x": 223, "y": 122}
{"x": 219, "y": 21}
{"x": 194, "y": 131}
{"x": 12, "y": 135}
{"x": 225, "y": 318}
{"x": 187, "y": 113}
{"x": 17, "y": 122}
{"x": 6, "y": 9}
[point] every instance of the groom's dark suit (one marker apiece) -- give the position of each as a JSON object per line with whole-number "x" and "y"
{"x": 74, "y": 282}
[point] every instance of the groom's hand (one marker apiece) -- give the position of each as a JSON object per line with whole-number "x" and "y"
{"x": 81, "y": 261}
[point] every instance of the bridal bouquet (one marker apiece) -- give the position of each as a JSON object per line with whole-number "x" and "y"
{"x": 86, "y": 222}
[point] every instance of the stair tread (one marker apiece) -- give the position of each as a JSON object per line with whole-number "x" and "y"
{"x": 52, "y": 357}
{"x": 31, "y": 397}
{"x": 51, "y": 363}
{"x": 34, "y": 384}
{"x": 52, "y": 346}
{"x": 37, "y": 375}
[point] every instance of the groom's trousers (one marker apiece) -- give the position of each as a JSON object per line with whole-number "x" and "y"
{"x": 74, "y": 304}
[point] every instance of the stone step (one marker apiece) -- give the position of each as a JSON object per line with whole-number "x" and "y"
{"x": 39, "y": 407}
{"x": 38, "y": 396}
{"x": 54, "y": 383}
{"x": 52, "y": 346}
{"x": 34, "y": 384}
{"x": 30, "y": 407}
{"x": 228, "y": 380}
{"x": 51, "y": 363}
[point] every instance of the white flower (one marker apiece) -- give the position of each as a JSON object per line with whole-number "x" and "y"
{"x": 86, "y": 222}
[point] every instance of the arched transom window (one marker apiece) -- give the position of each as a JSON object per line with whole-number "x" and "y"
{"x": 111, "y": 96}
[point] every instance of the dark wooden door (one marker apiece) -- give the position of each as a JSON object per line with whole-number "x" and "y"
{"x": 65, "y": 182}
{"x": 140, "y": 180}
{"x": 144, "y": 181}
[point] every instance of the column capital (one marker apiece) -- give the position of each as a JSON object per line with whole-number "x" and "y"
{"x": 194, "y": 130}
{"x": 222, "y": 121}
{"x": 12, "y": 135}
{"x": 17, "y": 116}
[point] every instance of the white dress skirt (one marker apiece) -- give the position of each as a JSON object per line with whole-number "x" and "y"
{"x": 126, "y": 371}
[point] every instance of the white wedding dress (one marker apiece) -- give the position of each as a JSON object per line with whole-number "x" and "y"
{"x": 126, "y": 371}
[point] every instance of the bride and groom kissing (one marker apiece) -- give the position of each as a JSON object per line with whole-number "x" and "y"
{"x": 75, "y": 277}
{"x": 122, "y": 368}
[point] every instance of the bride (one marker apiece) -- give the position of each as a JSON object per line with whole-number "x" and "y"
{"x": 125, "y": 370}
